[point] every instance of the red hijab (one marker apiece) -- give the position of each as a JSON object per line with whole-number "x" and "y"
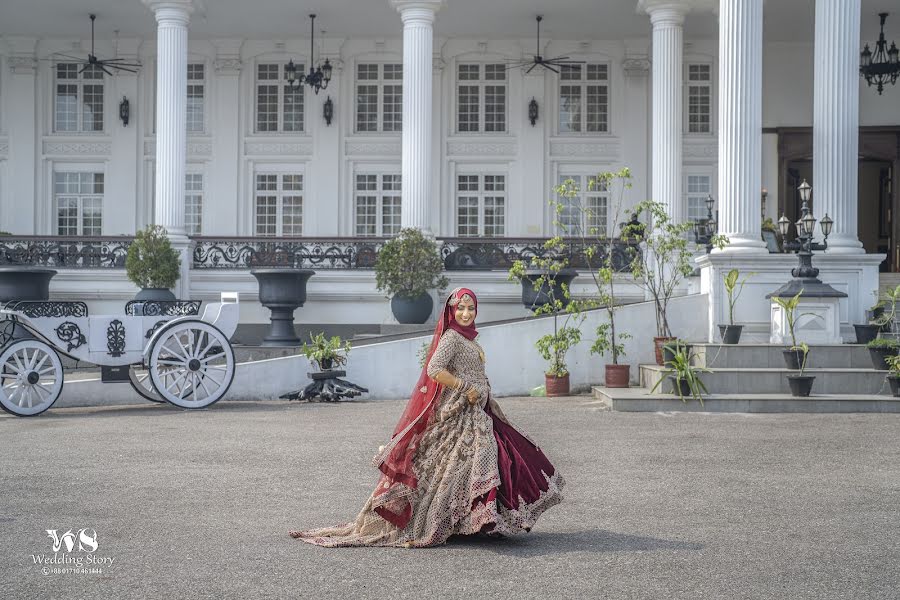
{"x": 398, "y": 481}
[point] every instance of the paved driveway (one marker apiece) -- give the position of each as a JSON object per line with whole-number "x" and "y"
{"x": 198, "y": 504}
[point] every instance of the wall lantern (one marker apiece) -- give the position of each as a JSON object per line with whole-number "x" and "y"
{"x": 533, "y": 111}
{"x": 328, "y": 110}
{"x": 124, "y": 111}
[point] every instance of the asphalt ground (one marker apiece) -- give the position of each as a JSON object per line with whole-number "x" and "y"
{"x": 199, "y": 504}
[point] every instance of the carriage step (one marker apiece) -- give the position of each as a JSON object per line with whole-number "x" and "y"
{"x": 118, "y": 374}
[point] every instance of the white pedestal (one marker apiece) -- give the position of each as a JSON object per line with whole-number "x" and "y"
{"x": 816, "y": 321}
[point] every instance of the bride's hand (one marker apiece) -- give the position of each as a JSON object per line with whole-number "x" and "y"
{"x": 473, "y": 395}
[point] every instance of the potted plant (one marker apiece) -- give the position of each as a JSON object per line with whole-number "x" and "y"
{"x": 793, "y": 356}
{"x": 599, "y": 251}
{"x": 731, "y": 333}
{"x": 684, "y": 375}
{"x": 152, "y": 264}
{"x": 886, "y": 319}
{"x": 880, "y": 349}
{"x": 665, "y": 260}
{"x": 893, "y": 376}
{"x": 407, "y": 267}
{"x": 553, "y": 348}
{"x": 326, "y": 353}
{"x": 801, "y": 384}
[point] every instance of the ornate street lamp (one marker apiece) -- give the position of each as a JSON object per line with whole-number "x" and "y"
{"x": 882, "y": 66}
{"x": 705, "y": 230}
{"x": 317, "y": 78}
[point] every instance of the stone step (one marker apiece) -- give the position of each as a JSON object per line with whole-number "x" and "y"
{"x": 765, "y": 356}
{"x": 639, "y": 400}
{"x": 774, "y": 380}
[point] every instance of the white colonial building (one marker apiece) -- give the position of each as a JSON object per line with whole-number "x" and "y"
{"x": 424, "y": 123}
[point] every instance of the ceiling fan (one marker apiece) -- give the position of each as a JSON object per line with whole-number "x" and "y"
{"x": 121, "y": 64}
{"x": 537, "y": 59}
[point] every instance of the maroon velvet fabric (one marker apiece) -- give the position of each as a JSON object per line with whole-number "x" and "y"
{"x": 520, "y": 463}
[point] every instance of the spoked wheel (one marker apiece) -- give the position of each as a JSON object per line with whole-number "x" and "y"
{"x": 31, "y": 378}
{"x": 140, "y": 381}
{"x": 191, "y": 364}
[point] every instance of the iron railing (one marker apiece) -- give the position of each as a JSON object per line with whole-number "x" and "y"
{"x": 65, "y": 252}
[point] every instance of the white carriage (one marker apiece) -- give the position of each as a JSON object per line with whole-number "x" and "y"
{"x": 172, "y": 352}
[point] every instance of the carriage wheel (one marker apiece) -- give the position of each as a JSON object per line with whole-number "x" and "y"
{"x": 191, "y": 364}
{"x": 140, "y": 381}
{"x": 31, "y": 378}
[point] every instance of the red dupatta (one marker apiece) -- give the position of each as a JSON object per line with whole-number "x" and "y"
{"x": 398, "y": 481}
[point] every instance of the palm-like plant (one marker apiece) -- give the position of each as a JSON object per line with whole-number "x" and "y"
{"x": 681, "y": 369}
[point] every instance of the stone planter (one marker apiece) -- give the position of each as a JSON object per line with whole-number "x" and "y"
{"x": 730, "y": 334}
{"x": 793, "y": 358}
{"x": 658, "y": 343}
{"x": 533, "y": 299}
{"x": 866, "y": 333}
{"x": 618, "y": 376}
{"x": 155, "y": 294}
{"x": 282, "y": 291}
{"x": 801, "y": 385}
{"x": 25, "y": 283}
{"x": 412, "y": 310}
{"x": 557, "y": 386}
{"x": 878, "y": 356}
{"x": 894, "y": 381}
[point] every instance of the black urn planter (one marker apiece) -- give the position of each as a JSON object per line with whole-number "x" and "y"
{"x": 412, "y": 311}
{"x": 878, "y": 356}
{"x": 894, "y": 381}
{"x": 680, "y": 387}
{"x": 866, "y": 333}
{"x": 801, "y": 385}
{"x": 794, "y": 358}
{"x": 25, "y": 283}
{"x": 533, "y": 299}
{"x": 155, "y": 294}
{"x": 730, "y": 334}
{"x": 282, "y": 291}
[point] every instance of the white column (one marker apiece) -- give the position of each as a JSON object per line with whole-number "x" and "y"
{"x": 740, "y": 124}
{"x": 635, "y": 145}
{"x": 418, "y": 20}
{"x": 223, "y": 205}
{"x": 667, "y": 19}
{"x": 19, "y": 210}
{"x": 172, "y": 17}
{"x": 836, "y": 121}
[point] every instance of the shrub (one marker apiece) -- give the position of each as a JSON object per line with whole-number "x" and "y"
{"x": 409, "y": 265}
{"x": 151, "y": 261}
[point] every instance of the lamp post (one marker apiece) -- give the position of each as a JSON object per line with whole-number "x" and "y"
{"x": 806, "y": 226}
{"x": 705, "y": 230}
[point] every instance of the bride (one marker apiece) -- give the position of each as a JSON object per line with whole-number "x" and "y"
{"x": 455, "y": 465}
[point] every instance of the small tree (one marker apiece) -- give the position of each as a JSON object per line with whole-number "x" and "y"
{"x": 151, "y": 262}
{"x": 409, "y": 265}
{"x": 665, "y": 260}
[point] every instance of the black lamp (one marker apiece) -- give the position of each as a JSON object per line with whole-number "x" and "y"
{"x": 124, "y": 111}
{"x": 317, "y": 78}
{"x": 533, "y": 111}
{"x": 328, "y": 110}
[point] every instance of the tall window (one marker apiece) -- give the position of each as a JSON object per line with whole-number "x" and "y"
{"x": 196, "y": 90}
{"x": 78, "y": 197}
{"x": 587, "y": 212}
{"x": 698, "y": 188}
{"x": 584, "y": 98}
{"x": 480, "y": 205}
{"x": 193, "y": 203}
{"x": 699, "y": 98}
{"x": 481, "y": 98}
{"x": 379, "y": 97}
{"x": 279, "y": 204}
{"x": 279, "y": 107}
{"x": 377, "y": 204}
{"x": 79, "y": 98}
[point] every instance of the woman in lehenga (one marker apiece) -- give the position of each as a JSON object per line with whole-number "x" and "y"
{"x": 455, "y": 465}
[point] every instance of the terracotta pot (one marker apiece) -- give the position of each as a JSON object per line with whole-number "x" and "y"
{"x": 658, "y": 343}
{"x": 618, "y": 376}
{"x": 557, "y": 386}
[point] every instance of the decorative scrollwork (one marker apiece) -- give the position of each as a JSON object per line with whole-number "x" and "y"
{"x": 163, "y": 308}
{"x": 115, "y": 338}
{"x": 348, "y": 253}
{"x": 7, "y": 328}
{"x": 461, "y": 254}
{"x": 48, "y": 308}
{"x": 70, "y": 333}
{"x": 77, "y": 253}
{"x": 154, "y": 329}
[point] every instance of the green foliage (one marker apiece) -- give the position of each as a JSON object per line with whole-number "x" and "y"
{"x": 151, "y": 261}
{"x": 805, "y": 350}
{"x": 891, "y": 298}
{"x": 553, "y": 348}
{"x": 734, "y": 287}
{"x": 682, "y": 369}
{"x": 789, "y": 305}
{"x": 890, "y": 343}
{"x": 321, "y": 348}
{"x": 409, "y": 265}
{"x": 422, "y": 352}
{"x": 769, "y": 225}
{"x": 666, "y": 258}
{"x": 893, "y": 363}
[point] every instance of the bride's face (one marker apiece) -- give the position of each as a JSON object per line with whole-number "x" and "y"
{"x": 465, "y": 311}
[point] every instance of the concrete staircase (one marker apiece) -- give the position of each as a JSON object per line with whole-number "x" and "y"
{"x": 752, "y": 378}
